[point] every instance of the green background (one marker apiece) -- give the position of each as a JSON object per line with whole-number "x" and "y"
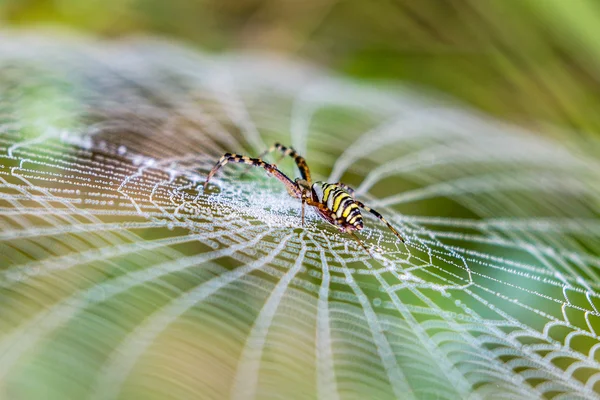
{"x": 533, "y": 62}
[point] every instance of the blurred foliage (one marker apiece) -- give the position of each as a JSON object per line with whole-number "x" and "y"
{"x": 525, "y": 60}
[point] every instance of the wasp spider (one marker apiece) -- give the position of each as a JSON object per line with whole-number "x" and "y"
{"x": 334, "y": 202}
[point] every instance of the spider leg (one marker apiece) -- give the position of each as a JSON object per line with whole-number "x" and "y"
{"x": 288, "y": 151}
{"x": 359, "y": 242}
{"x": 322, "y": 207}
{"x": 375, "y": 213}
{"x": 347, "y": 189}
{"x": 261, "y": 156}
{"x": 291, "y": 187}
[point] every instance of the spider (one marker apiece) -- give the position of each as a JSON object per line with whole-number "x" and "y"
{"x": 335, "y": 202}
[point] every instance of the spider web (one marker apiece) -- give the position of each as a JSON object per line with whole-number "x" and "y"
{"x": 122, "y": 278}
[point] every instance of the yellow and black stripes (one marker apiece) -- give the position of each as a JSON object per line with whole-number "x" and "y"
{"x": 346, "y": 188}
{"x": 339, "y": 202}
{"x": 288, "y": 151}
{"x": 339, "y": 199}
{"x": 291, "y": 187}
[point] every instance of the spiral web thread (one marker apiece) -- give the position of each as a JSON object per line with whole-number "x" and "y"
{"x": 121, "y": 277}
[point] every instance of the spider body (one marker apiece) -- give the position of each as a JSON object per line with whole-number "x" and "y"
{"x": 342, "y": 209}
{"x": 334, "y": 202}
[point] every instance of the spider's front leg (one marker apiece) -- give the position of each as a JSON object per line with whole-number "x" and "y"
{"x": 292, "y": 188}
{"x": 303, "y": 206}
{"x": 306, "y": 188}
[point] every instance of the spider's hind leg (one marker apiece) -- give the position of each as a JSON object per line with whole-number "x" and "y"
{"x": 360, "y": 242}
{"x": 347, "y": 189}
{"x": 351, "y": 192}
{"x": 375, "y": 213}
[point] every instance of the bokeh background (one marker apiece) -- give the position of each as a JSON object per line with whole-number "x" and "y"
{"x": 529, "y": 61}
